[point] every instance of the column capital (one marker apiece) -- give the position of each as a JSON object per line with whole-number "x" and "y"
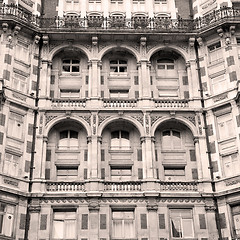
{"x": 152, "y": 207}
{"x": 89, "y": 139}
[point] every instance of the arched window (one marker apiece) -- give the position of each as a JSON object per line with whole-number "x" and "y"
{"x": 118, "y": 67}
{"x": 68, "y": 140}
{"x": 71, "y": 65}
{"x": 171, "y": 139}
{"x": 120, "y": 140}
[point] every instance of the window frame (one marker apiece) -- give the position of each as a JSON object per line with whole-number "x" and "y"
{"x": 236, "y": 235}
{"x": 232, "y": 162}
{"x": 172, "y": 145}
{"x": 215, "y": 52}
{"x": 121, "y": 140}
{"x": 181, "y": 210}
{"x": 118, "y": 66}
{"x": 128, "y": 235}
{"x": 71, "y": 65}
{"x": 64, "y": 211}
{"x": 12, "y": 168}
{"x": 67, "y": 169}
{"x": 4, "y": 213}
{"x": 68, "y": 139}
{"x": 15, "y": 120}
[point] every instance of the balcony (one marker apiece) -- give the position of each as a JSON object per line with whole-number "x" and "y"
{"x": 157, "y": 24}
{"x": 68, "y": 103}
{"x": 179, "y": 186}
{"x": 65, "y": 187}
{"x": 123, "y": 186}
{"x": 171, "y": 103}
{"x": 118, "y": 103}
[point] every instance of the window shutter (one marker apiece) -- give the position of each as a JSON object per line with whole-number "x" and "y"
{"x": 86, "y": 80}
{"x": 202, "y": 221}
{"x": 29, "y": 147}
{"x": 222, "y": 219}
{"x": 85, "y": 155}
{"x": 215, "y": 166}
{"x": 47, "y": 173}
{"x": 85, "y": 173}
{"x": 102, "y": 155}
{"x": 2, "y": 119}
{"x": 43, "y": 222}
{"x": 135, "y": 80}
{"x": 8, "y": 59}
{"x": 157, "y": 172}
{"x": 136, "y": 94}
{"x": 156, "y": 155}
{"x": 1, "y": 138}
{"x": 212, "y": 147}
{"x": 48, "y": 155}
{"x": 233, "y": 76}
{"x": 22, "y": 221}
{"x": 84, "y": 221}
{"x": 185, "y": 80}
{"x": 210, "y": 129}
{"x": 238, "y": 120}
{"x": 103, "y": 221}
{"x": 194, "y": 173}
{"x": 161, "y": 218}
{"x": 186, "y": 94}
{"x": 140, "y": 173}
{"x": 34, "y": 85}
{"x": 139, "y": 154}
{"x": 192, "y": 155}
{"x": 143, "y": 221}
{"x": 102, "y": 80}
{"x": 230, "y": 61}
{"x": 202, "y": 71}
{"x": 27, "y": 166}
{"x": 51, "y": 94}
{"x": 103, "y": 173}
{"x": 30, "y": 129}
{"x": 52, "y": 79}
{"x": 86, "y": 93}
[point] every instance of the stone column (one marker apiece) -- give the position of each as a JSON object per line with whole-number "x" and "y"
{"x": 198, "y": 159}
{"x": 94, "y": 148}
{"x": 94, "y": 219}
{"x": 43, "y": 157}
{"x": 211, "y": 220}
{"x": 34, "y": 221}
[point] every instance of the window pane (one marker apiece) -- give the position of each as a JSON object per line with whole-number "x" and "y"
{"x": 161, "y": 66}
{"x": 122, "y": 62}
{"x": 115, "y": 134}
{"x": 73, "y": 134}
{"x": 63, "y": 134}
{"x": 113, "y": 62}
{"x": 122, "y": 69}
{"x": 70, "y": 229}
{"x": 170, "y": 67}
{"x": 75, "y": 61}
{"x": 67, "y": 61}
{"x": 58, "y": 228}
{"x": 75, "y": 68}
{"x": 66, "y": 68}
{"x": 117, "y": 229}
{"x": 187, "y": 228}
{"x": 236, "y": 219}
{"x": 125, "y": 134}
{"x": 176, "y": 228}
{"x": 166, "y": 133}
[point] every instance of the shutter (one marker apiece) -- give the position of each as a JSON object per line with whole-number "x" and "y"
{"x": 30, "y": 129}
{"x": 139, "y": 154}
{"x": 230, "y": 61}
{"x": 156, "y": 155}
{"x": 102, "y": 94}
{"x": 29, "y": 147}
{"x": 7, "y": 59}
{"x": 103, "y": 221}
{"x": 161, "y": 219}
{"x": 52, "y": 94}
{"x": 85, "y": 173}
{"x": 34, "y": 85}
{"x": 22, "y": 221}
{"x": 52, "y": 81}
{"x": 185, "y": 80}
{"x": 140, "y": 173}
{"x": 233, "y": 76}
{"x": 6, "y": 75}
{"x": 151, "y": 80}
{"x": 27, "y": 166}
{"x": 202, "y": 221}
{"x": 238, "y": 120}
{"x": 212, "y": 147}
{"x": 47, "y": 173}
{"x": 43, "y": 222}
{"x": 136, "y": 94}
{"x": 222, "y": 219}
{"x": 102, "y": 173}
{"x": 215, "y": 166}
{"x": 192, "y": 155}
{"x": 35, "y": 70}
{"x": 143, "y": 221}
{"x": 48, "y": 155}
{"x": 84, "y": 221}
{"x": 102, "y": 80}
{"x": 186, "y": 94}
{"x": 157, "y": 172}
{"x": 85, "y": 155}
{"x": 210, "y": 129}
{"x": 194, "y": 174}
{"x": 102, "y": 155}
{"x": 1, "y": 138}
{"x": 2, "y": 119}
{"x": 202, "y": 71}
{"x": 136, "y": 80}
{"x": 86, "y": 80}
{"x": 86, "y": 93}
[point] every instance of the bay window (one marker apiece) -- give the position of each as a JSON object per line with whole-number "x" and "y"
{"x": 123, "y": 224}
{"x": 6, "y": 219}
{"x": 64, "y": 224}
{"x": 181, "y": 223}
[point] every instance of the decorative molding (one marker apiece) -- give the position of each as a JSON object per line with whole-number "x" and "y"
{"x": 94, "y": 124}
{"x": 210, "y": 208}
{"x": 232, "y": 181}
{"x": 86, "y": 119}
{"x": 101, "y": 119}
{"x": 191, "y": 119}
{"x": 49, "y": 118}
{"x": 138, "y": 118}
{"x": 10, "y": 182}
{"x": 154, "y": 119}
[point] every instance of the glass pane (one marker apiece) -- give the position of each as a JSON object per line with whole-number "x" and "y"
{"x": 170, "y": 67}
{"x": 161, "y": 67}
{"x": 66, "y": 68}
{"x": 67, "y": 61}
{"x": 70, "y": 229}
{"x": 73, "y": 134}
{"x": 176, "y": 228}
{"x": 75, "y": 68}
{"x": 236, "y": 220}
{"x": 122, "y": 69}
{"x": 113, "y": 62}
{"x": 58, "y": 229}
{"x": 117, "y": 229}
{"x": 113, "y": 69}
{"x": 122, "y": 62}
{"x": 187, "y": 228}
{"x": 128, "y": 229}
{"x": 115, "y": 134}
{"x": 63, "y": 134}
{"x": 124, "y": 134}
{"x": 176, "y": 134}
{"x": 166, "y": 133}
{"x": 75, "y": 61}
{"x": 1, "y": 223}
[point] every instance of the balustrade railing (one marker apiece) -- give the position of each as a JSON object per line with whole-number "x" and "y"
{"x": 109, "y": 103}
{"x": 58, "y": 103}
{"x": 65, "y": 187}
{"x": 120, "y": 22}
{"x": 122, "y": 186}
{"x": 179, "y": 186}
{"x": 171, "y": 103}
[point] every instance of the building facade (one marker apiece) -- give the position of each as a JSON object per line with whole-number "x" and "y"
{"x": 119, "y": 119}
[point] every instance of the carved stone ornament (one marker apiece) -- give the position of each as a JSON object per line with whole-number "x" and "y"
{"x": 210, "y": 208}
{"x": 49, "y": 118}
{"x": 101, "y": 119}
{"x": 35, "y": 209}
{"x": 138, "y": 118}
{"x": 152, "y": 207}
{"x": 191, "y": 119}
{"x": 5, "y": 27}
{"x": 154, "y": 119}
{"x": 94, "y": 206}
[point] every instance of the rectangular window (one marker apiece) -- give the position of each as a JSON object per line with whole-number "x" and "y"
{"x": 64, "y": 224}
{"x": 73, "y": 93}
{"x": 118, "y": 93}
{"x": 19, "y": 83}
{"x": 181, "y": 222}
{"x": 11, "y": 163}
{"x": 67, "y": 173}
{"x": 174, "y": 172}
{"x": 6, "y": 219}
{"x": 219, "y": 84}
{"x": 123, "y": 226}
{"x": 236, "y": 221}
{"x": 225, "y": 126}
{"x": 231, "y": 165}
{"x": 15, "y": 126}
{"x": 121, "y": 173}
{"x": 22, "y": 52}
{"x": 215, "y": 52}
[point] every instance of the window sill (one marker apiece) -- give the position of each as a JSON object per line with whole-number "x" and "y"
{"x": 67, "y": 151}
{"x": 127, "y": 151}
{"x": 173, "y": 151}
{"x": 2, "y": 237}
{"x": 121, "y": 163}
{"x": 16, "y": 139}
{"x": 226, "y": 139}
